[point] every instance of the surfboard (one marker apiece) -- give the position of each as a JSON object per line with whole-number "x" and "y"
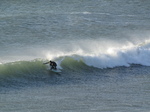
{"x": 56, "y": 71}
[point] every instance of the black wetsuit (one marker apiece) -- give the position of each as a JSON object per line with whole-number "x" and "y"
{"x": 53, "y": 65}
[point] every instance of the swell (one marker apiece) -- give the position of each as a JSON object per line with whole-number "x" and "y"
{"x": 36, "y": 68}
{"x": 113, "y": 57}
{"x": 21, "y": 73}
{"x": 34, "y": 72}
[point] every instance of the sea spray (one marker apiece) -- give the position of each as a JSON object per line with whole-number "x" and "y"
{"x": 107, "y": 56}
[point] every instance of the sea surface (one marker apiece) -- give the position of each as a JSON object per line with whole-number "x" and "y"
{"x": 102, "y": 48}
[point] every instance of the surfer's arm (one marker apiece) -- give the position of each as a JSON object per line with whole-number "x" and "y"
{"x": 46, "y": 63}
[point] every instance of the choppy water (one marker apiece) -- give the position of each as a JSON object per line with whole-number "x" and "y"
{"x": 101, "y": 46}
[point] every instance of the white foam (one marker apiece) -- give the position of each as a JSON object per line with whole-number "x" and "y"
{"x": 116, "y": 56}
{"x": 121, "y": 57}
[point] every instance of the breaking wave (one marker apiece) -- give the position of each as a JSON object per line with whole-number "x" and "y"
{"x": 21, "y": 73}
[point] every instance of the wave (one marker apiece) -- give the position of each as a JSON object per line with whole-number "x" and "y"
{"x": 22, "y": 73}
{"x": 113, "y": 56}
{"x": 19, "y": 74}
{"x": 35, "y": 68}
{"x": 124, "y": 56}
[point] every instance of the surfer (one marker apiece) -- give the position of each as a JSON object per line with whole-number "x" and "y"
{"x": 52, "y": 64}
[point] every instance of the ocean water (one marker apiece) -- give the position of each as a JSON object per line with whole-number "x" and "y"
{"x": 101, "y": 46}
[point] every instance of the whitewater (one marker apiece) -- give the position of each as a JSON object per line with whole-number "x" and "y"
{"x": 102, "y": 48}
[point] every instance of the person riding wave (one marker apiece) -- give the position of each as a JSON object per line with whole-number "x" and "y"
{"x": 52, "y": 64}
